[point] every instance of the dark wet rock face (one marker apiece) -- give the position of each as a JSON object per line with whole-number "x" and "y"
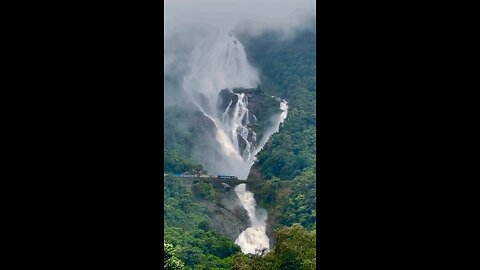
{"x": 229, "y": 218}
{"x": 230, "y": 98}
{"x": 241, "y": 143}
{"x": 227, "y": 215}
{"x": 224, "y": 98}
{"x": 204, "y": 125}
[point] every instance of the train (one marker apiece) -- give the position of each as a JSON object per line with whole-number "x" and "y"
{"x": 227, "y": 177}
{"x": 208, "y": 176}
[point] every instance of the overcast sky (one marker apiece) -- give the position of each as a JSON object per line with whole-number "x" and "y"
{"x": 226, "y": 15}
{"x": 190, "y": 22}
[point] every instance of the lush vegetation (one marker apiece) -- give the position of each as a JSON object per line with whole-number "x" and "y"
{"x": 179, "y": 135}
{"x": 170, "y": 260}
{"x": 186, "y": 228}
{"x": 294, "y": 249}
{"x": 286, "y": 165}
{"x": 301, "y": 204}
{"x": 290, "y": 201}
{"x": 190, "y": 244}
{"x": 173, "y": 163}
{"x": 288, "y": 71}
{"x": 204, "y": 190}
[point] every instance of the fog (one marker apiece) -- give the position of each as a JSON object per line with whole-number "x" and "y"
{"x": 255, "y": 15}
{"x": 190, "y": 22}
{"x": 203, "y": 56}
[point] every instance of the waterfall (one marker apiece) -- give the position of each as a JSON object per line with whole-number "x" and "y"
{"x": 254, "y": 239}
{"x": 275, "y": 128}
{"x": 214, "y": 65}
{"x": 239, "y": 129}
{"x": 217, "y": 64}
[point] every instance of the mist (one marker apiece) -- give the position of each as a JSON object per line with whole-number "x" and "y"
{"x": 203, "y": 56}
{"x": 188, "y": 22}
{"x": 260, "y": 15}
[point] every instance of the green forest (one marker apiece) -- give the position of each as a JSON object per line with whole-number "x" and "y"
{"x": 285, "y": 170}
{"x": 186, "y": 229}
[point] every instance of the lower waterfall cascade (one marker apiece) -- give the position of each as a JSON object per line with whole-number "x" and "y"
{"x": 254, "y": 239}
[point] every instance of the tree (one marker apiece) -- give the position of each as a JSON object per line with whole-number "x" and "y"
{"x": 240, "y": 261}
{"x": 170, "y": 261}
{"x": 301, "y": 205}
{"x": 296, "y": 247}
{"x": 204, "y": 225}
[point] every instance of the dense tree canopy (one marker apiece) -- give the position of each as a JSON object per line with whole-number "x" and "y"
{"x": 173, "y": 163}
{"x": 170, "y": 261}
{"x": 301, "y": 205}
{"x": 288, "y": 71}
{"x": 186, "y": 227}
{"x": 295, "y": 249}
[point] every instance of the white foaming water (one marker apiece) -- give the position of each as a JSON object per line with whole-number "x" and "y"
{"x": 276, "y": 128}
{"x": 253, "y": 239}
{"x": 221, "y": 63}
{"x": 283, "y": 115}
{"x": 239, "y": 128}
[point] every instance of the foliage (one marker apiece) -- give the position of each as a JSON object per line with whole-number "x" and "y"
{"x": 295, "y": 248}
{"x": 301, "y": 206}
{"x": 170, "y": 261}
{"x": 179, "y": 210}
{"x": 267, "y": 192}
{"x": 173, "y": 163}
{"x": 186, "y": 226}
{"x": 240, "y": 261}
{"x": 195, "y": 244}
{"x": 285, "y": 64}
{"x": 179, "y": 135}
{"x": 286, "y": 163}
{"x": 289, "y": 71}
{"x": 203, "y": 190}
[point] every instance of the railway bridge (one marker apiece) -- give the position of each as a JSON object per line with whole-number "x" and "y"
{"x": 216, "y": 182}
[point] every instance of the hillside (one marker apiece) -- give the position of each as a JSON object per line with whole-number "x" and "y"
{"x": 201, "y": 220}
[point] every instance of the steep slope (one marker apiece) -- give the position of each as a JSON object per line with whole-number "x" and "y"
{"x": 283, "y": 179}
{"x": 287, "y": 163}
{"x": 227, "y": 142}
{"x": 201, "y": 222}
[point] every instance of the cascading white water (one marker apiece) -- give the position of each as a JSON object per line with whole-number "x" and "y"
{"x": 222, "y": 64}
{"x": 276, "y": 127}
{"x": 283, "y": 115}
{"x": 219, "y": 64}
{"x": 254, "y": 239}
{"x": 239, "y": 128}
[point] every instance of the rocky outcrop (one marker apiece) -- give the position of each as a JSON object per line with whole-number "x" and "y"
{"x": 227, "y": 103}
{"x": 271, "y": 222}
{"x": 204, "y": 125}
{"x": 253, "y": 101}
{"x": 229, "y": 217}
{"x": 224, "y": 98}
